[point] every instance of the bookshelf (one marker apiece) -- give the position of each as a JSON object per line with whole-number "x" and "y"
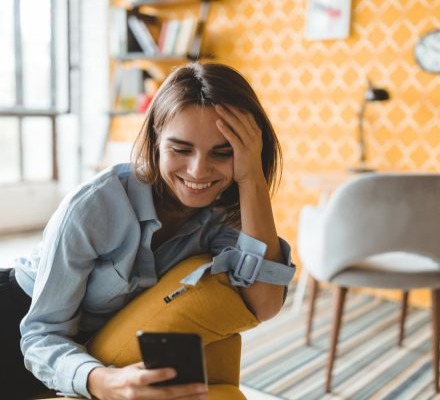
{"x": 146, "y": 40}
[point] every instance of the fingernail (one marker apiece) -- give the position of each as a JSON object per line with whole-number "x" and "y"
{"x": 202, "y": 389}
{"x": 171, "y": 373}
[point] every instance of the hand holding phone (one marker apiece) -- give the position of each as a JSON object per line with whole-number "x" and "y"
{"x": 181, "y": 351}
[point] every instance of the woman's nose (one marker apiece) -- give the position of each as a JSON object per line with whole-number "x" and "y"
{"x": 199, "y": 167}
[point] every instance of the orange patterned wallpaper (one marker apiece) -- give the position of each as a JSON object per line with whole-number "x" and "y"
{"x": 312, "y": 90}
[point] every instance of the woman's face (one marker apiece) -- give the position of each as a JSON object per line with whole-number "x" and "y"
{"x": 196, "y": 161}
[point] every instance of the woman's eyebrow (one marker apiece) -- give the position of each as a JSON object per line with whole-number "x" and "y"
{"x": 179, "y": 141}
{"x": 225, "y": 145}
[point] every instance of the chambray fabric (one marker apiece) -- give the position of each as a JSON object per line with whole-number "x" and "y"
{"x": 94, "y": 258}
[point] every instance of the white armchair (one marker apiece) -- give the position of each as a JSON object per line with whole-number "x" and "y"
{"x": 379, "y": 231}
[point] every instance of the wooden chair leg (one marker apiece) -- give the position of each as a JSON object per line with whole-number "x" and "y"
{"x": 314, "y": 289}
{"x": 403, "y": 312}
{"x": 341, "y": 293}
{"x": 435, "y": 336}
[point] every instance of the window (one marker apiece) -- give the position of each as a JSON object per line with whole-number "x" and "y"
{"x": 34, "y": 86}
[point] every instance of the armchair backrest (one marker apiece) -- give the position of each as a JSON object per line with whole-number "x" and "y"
{"x": 379, "y": 213}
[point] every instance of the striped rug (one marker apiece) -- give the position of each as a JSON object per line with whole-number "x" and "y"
{"x": 369, "y": 364}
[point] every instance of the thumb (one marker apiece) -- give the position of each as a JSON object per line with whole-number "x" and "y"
{"x": 139, "y": 365}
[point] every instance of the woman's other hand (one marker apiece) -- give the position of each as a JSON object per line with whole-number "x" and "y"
{"x": 242, "y": 132}
{"x": 134, "y": 382}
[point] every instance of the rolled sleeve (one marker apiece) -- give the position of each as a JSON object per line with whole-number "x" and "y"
{"x": 248, "y": 243}
{"x": 79, "y": 382}
{"x": 246, "y": 264}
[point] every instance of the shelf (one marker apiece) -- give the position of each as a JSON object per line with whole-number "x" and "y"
{"x": 159, "y": 3}
{"x": 134, "y": 56}
{"x": 139, "y": 56}
{"x": 121, "y": 113}
{"x": 30, "y": 112}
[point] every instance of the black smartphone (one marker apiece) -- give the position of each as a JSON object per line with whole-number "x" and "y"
{"x": 181, "y": 351}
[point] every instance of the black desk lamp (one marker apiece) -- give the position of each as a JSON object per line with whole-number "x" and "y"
{"x": 371, "y": 94}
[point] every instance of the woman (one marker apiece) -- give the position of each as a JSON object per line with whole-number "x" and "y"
{"x": 199, "y": 182}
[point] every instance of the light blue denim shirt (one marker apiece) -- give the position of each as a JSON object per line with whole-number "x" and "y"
{"x": 95, "y": 257}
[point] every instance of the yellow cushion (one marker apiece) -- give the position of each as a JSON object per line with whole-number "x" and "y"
{"x": 213, "y": 308}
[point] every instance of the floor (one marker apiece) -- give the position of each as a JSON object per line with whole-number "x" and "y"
{"x": 252, "y": 394}
{"x": 16, "y": 245}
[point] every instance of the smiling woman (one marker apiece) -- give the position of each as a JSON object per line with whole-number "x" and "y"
{"x": 199, "y": 183}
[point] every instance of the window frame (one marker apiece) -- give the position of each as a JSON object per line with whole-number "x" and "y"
{"x": 19, "y": 110}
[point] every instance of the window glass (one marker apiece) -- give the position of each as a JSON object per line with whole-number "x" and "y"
{"x": 36, "y": 31}
{"x": 37, "y": 147}
{"x": 7, "y": 64}
{"x": 9, "y": 150}
{"x": 34, "y": 75}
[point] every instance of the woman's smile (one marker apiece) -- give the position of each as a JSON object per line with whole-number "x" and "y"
{"x": 196, "y": 185}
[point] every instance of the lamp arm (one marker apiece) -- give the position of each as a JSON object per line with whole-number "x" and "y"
{"x": 361, "y": 137}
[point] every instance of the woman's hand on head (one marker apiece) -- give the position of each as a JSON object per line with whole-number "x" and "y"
{"x": 243, "y": 133}
{"x": 134, "y": 382}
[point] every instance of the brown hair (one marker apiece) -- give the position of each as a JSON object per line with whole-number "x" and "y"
{"x": 202, "y": 85}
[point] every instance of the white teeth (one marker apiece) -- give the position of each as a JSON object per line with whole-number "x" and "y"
{"x": 194, "y": 185}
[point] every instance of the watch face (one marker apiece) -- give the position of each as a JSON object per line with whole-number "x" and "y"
{"x": 427, "y": 52}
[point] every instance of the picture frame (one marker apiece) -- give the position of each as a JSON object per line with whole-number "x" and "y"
{"x": 327, "y": 19}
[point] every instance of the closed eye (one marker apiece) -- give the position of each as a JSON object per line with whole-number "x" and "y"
{"x": 180, "y": 151}
{"x": 223, "y": 154}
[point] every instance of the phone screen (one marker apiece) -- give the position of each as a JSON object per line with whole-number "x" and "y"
{"x": 181, "y": 351}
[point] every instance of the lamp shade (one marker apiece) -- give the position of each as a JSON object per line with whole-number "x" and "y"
{"x": 376, "y": 94}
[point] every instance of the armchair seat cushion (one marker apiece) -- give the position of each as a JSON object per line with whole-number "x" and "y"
{"x": 392, "y": 270}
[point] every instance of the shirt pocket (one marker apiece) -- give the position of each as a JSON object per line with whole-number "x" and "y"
{"x": 106, "y": 289}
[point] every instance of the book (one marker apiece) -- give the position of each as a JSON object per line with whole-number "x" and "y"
{"x": 118, "y": 33}
{"x": 196, "y": 45}
{"x": 116, "y": 86}
{"x": 172, "y": 31}
{"x": 162, "y": 36}
{"x": 185, "y": 36}
{"x": 142, "y": 35}
{"x": 131, "y": 87}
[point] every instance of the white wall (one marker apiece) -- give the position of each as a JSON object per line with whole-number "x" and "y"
{"x": 27, "y": 206}
{"x": 94, "y": 82}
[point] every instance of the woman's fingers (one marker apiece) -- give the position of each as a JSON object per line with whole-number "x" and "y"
{"x": 230, "y": 135}
{"x": 136, "y": 382}
{"x": 157, "y": 375}
{"x": 152, "y": 376}
{"x": 181, "y": 392}
{"x": 247, "y": 119}
{"x": 240, "y": 123}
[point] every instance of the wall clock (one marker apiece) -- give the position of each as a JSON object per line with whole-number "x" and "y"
{"x": 427, "y": 52}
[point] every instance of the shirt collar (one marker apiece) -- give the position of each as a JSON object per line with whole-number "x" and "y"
{"x": 141, "y": 198}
